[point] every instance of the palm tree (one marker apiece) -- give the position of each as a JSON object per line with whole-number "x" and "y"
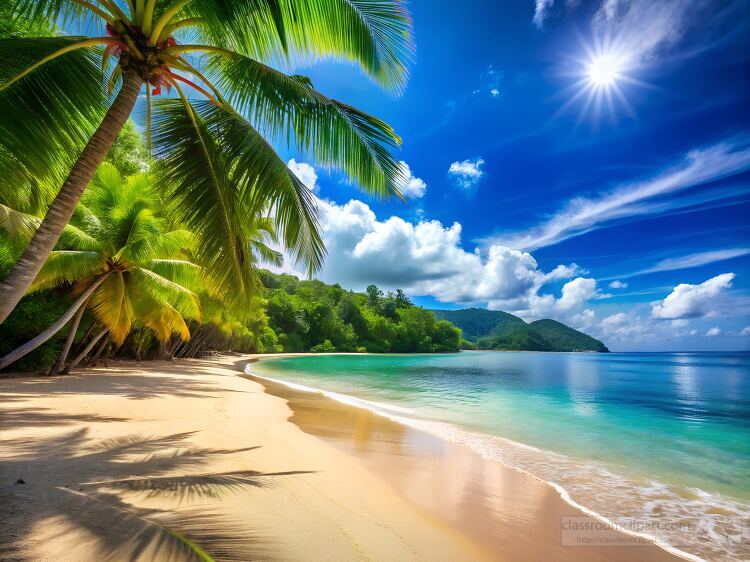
{"x": 123, "y": 264}
{"x": 231, "y": 59}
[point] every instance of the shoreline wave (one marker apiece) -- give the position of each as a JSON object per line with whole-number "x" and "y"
{"x": 476, "y": 441}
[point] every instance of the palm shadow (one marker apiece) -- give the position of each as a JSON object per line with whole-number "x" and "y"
{"x": 81, "y": 483}
{"x": 129, "y": 379}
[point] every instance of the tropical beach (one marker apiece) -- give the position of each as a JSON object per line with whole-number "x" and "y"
{"x": 313, "y": 280}
{"x": 116, "y": 462}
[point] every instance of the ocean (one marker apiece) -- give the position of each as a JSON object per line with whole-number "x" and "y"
{"x": 656, "y": 443}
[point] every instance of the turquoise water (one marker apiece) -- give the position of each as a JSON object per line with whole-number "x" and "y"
{"x": 636, "y": 435}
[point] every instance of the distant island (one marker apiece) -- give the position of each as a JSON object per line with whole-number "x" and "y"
{"x": 494, "y": 329}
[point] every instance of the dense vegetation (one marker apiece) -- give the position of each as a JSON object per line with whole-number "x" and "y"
{"x": 293, "y": 316}
{"x": 64, "y": 98}
{"x": 156, "y": 251}
{"x": 493, "y": 329}
{"x": 156, "y": 302}
{"x": 314, "y": 316}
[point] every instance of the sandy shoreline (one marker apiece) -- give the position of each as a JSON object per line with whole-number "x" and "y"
{"x": 132, "y": 461}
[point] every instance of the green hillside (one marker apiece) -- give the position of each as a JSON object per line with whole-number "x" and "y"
{"x": 477, "y": 322}
{"x": 494, "y": 329}
{"x": 563, "y": 337}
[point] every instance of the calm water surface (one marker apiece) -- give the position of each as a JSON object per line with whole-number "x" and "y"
{"x": 657, "y": 436}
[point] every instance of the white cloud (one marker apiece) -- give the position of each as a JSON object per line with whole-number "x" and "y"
{"x": 617, "y": 284}
{"x": 582, "y": 215}
{"x": 624, "y": 327}
{"x": 494, "y": 92}
{"x": 306, "y": 173}
{"x": 466, "y": 173}
{"x": 646, "y": 29}
{"x": 745, "y": 331}
{"x": 427, "y": 258}
{"x": 632, "y": 330}
{"x": 715, "y": 331}
{"x": 693, "y": 260}
{"x": 412, "y": 187}
{"x": 693, "y": 301}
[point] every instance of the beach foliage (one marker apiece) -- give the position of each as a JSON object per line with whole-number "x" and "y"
{"x": 318, "y": 317}
{"x": 64, "y": 97}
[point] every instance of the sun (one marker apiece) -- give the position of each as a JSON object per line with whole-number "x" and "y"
{"x": 603, "y": 71}
{"x": 603, "y": 75}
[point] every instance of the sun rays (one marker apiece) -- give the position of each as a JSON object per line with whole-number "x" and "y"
{"x": 602, "y": 75}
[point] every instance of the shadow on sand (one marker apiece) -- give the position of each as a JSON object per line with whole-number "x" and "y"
{"x": 82, "y": 483}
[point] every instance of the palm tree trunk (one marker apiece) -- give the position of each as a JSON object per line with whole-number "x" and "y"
{"x": 86, "y": 336}
{"x": 15, "y": 285}
{"x": 99, "y": 350}
{"x": 85, "y": 352}
{"x": 60, "y": 363}
{"x": 33, "y": 343}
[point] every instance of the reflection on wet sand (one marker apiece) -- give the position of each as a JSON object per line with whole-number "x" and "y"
{"x": 514, "y": 515}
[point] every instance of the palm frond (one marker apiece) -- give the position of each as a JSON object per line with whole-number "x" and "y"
{"x": 111, "y": 305}
{"x": 46, "y": 117}
{"x": 252, "y": 27}
{"x": 375, "y": 34}
{"x": 18, "y": 224}
{"x": 204, "y": 199}
{"x": 160, "y": 317}
{"x": 182, "y": 272}
{"x": 164, "y": 291}
{"x": 67, "y": 267}
{"x": 265, "y": 254}
{"x": 62, "y": 11}
{"x": 23, "y": 225}
{"x": 333, "y": 134}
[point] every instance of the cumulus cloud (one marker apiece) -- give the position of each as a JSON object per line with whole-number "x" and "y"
{"x": 617, "y": 284}
{"x": 582, "y": 215}
{"x": 412, "y": 186}
{"x": 427, "y": 258}
{"x": 624, "y": 327}
{"x": 745, "y": 331}
{"x": 693, "y": 301}
{"x": 715, "y": 331}
{"x": 466, "y": 173}
{"x": 306, "y": 173}
{"x": 635, "y": 328}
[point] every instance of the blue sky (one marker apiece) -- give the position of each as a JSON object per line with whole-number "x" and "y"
{"x": 587, "y": 161}
{"x": 620, "y": 209}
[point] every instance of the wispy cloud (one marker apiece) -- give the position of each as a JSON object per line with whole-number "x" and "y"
{"x": 648, "y": 29}
{"x": 541, "y": 11}
{"x": 582, "y": 215}
{"x": 691, "y": 260}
